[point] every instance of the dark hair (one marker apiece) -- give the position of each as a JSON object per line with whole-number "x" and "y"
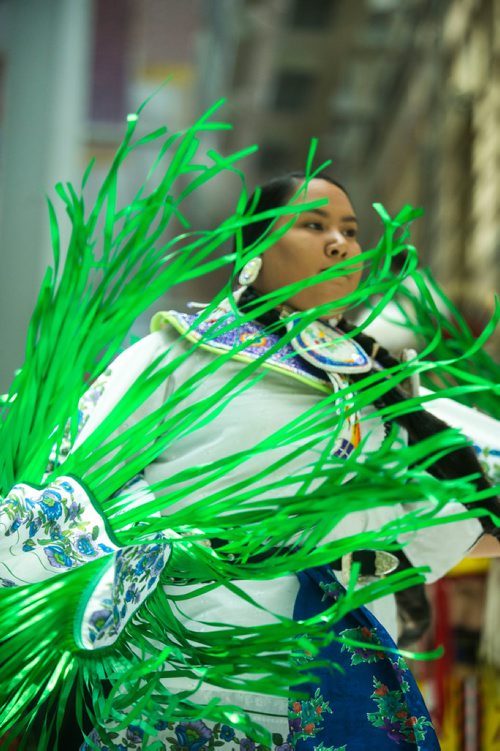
{"x": 276, "y": 193}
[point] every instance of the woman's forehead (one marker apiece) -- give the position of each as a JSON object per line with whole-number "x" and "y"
{"x": 320, "y": 188}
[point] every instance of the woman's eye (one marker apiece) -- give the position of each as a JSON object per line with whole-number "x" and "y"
{"x": 350, "y": 232}
{"x": 314, "y": 225}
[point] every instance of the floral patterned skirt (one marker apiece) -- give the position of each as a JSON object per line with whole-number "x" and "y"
{"x": 186, "y": 736}
{"x": 372, "y": 702}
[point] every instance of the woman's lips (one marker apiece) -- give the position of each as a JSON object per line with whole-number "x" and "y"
{"x": 332, "y": 278}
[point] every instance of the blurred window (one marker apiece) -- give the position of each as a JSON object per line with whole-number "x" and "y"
{"x": 293, "y": 90}
{"x": 108, "y": 92}
{"x": 2, "y": 102}
{"x": 310, "y": 14}
{"x": 274, "y": 158}
{"x": 2, "y": 86}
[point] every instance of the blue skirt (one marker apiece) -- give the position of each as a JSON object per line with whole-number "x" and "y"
{"x": 373, "y": 702}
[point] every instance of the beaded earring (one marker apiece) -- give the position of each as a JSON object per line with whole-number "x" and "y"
{"x": 250, "y": 271}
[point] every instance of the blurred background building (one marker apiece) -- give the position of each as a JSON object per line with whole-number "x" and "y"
{"x": 403, "y": 95}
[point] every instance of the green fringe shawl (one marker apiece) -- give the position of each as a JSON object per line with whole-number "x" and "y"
{"x": 118, "y": 261}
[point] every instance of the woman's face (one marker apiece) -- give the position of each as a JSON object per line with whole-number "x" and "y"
{"x": 318, "y": 239}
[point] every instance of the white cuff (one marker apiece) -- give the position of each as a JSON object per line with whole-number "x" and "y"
{"x": 45, "y": 531}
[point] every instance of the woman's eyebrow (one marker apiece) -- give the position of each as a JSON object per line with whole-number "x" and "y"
{"x": 322, "y": 212}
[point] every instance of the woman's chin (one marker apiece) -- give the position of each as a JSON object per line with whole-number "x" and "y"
{"x": 328, "y": 308}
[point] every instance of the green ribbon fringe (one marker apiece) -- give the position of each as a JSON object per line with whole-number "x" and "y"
{"x": 117, "y": 264}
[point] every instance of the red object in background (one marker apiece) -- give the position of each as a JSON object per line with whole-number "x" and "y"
{"x": 7, "y": 745}
{"x": 442, "y": 637}
{"x": 463, "y": 693}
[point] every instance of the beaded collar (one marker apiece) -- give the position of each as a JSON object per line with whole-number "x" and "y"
{"x": 249, "y": 341}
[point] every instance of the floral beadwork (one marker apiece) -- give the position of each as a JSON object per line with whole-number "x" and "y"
{"x": 305, "y": 717}
{"x": 489, "y": 459}
{"x": 393, "y": 716}
{"x": 247, "y": 342}
{"x": 124, "y": 586}
{"x": 249, "y": 334}
{"x": 252, "y": 341}
{"x": 49, "y": 530}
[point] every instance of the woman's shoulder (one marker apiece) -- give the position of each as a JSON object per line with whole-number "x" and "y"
{"x": 146, "y": 349}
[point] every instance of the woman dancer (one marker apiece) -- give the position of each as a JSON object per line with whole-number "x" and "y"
{"x": 374, "y": 703}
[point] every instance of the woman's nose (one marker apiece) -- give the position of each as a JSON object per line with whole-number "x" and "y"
{"x": 336, "y": 247}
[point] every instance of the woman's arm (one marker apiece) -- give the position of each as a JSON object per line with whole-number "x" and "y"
{"x": 486, "y": 547}
{"x": 60, "y": 526}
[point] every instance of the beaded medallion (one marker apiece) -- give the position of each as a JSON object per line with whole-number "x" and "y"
{"x": 328, "y": 348}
